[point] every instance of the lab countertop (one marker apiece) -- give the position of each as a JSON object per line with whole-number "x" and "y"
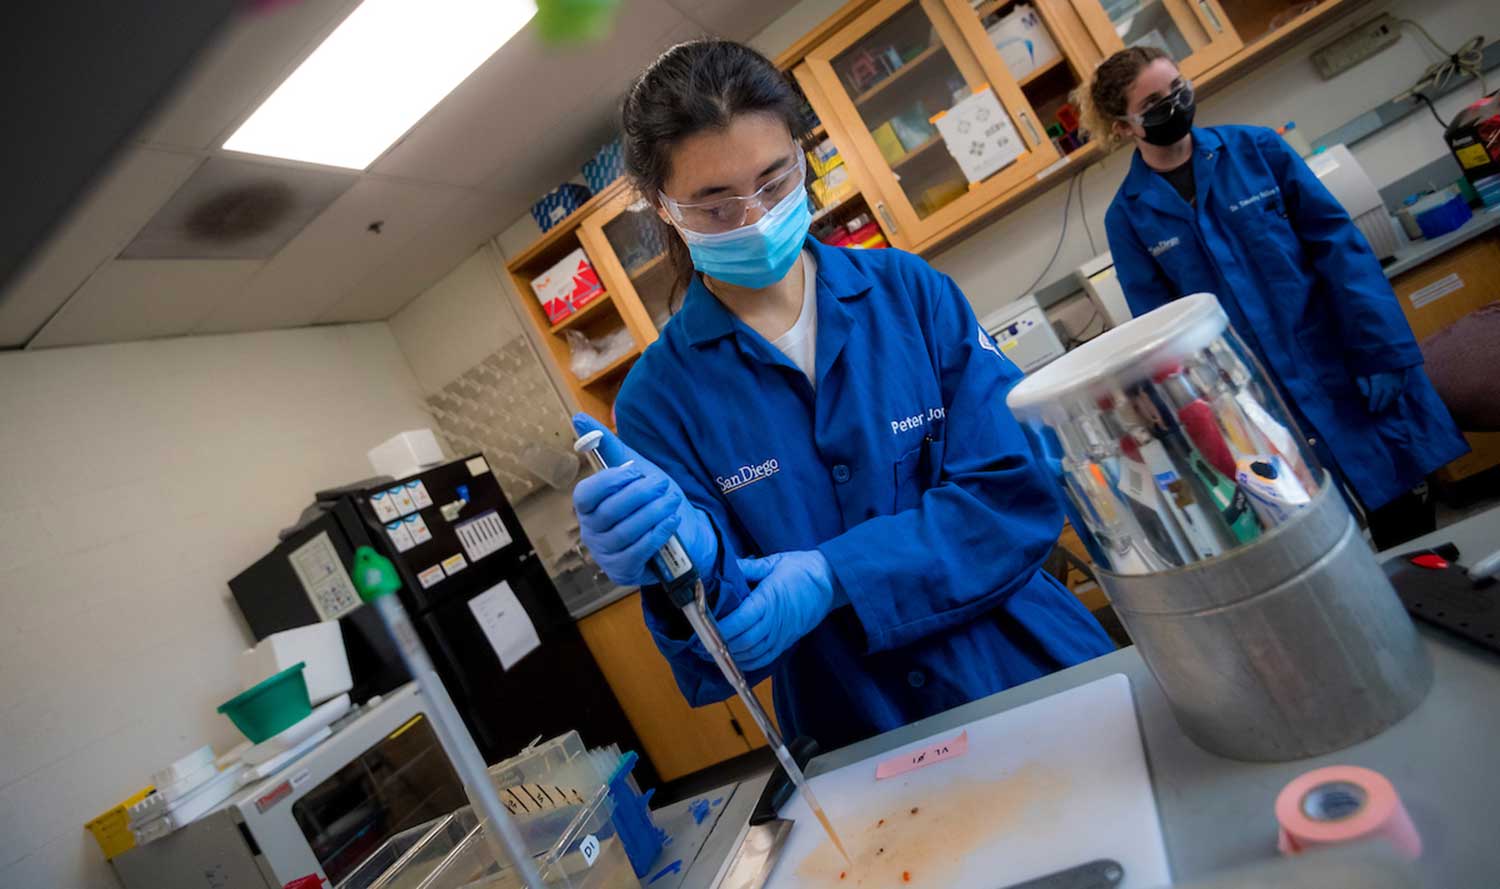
{"x": 1217, "y": 813}
{"x": 1418, "y": 252}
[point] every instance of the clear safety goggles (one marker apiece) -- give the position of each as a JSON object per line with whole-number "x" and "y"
{"x": 1160, "y": 111}
{"x": 727, "y": 214}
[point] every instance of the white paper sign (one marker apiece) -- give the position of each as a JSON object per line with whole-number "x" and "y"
{"x": 505, "y": 623}
{"x": 316, "y": 564}
{"x": 402, "y": 498}
{"x": 400, "y": 537}
{"x": 418, "y": 493}
{"x": 482, "y": 535}
{"x": 384, "y": 506}
{"x": 417, "y": 528}
{"x": 980, "y": 136}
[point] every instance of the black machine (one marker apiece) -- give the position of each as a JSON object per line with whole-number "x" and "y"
{"x": 454, "y": 537}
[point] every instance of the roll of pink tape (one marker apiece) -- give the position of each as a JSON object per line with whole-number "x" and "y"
{"x": 1342, "y": 804}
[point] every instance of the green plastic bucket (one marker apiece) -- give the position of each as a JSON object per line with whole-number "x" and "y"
{"x": 271, "y": 706}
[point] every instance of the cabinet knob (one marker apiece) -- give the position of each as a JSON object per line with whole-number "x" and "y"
{"x": 1036, "y": 138}
{"x": 886, "y": 215}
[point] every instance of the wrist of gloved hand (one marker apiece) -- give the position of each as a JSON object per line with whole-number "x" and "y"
{"x": 1381, "y": 389}
{"x": 793, "y": 592}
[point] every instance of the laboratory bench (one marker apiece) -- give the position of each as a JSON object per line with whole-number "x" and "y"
{"x": 1217, "y": 813}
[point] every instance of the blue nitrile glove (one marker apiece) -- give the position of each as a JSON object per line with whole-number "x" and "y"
{"x": 627, "y": 512}
{"x": 794, "y": 592}
{"x": 1382, "y": 389}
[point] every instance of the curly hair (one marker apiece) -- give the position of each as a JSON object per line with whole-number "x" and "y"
{"x": 1101, "y": 100}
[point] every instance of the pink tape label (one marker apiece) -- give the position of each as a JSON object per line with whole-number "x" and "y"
{"x": 900, "y": 765}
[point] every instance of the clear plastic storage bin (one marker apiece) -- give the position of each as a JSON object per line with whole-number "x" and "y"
{"x": 407, "y": 858}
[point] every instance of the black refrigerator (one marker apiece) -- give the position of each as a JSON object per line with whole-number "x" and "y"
{"x": 466, "y": 564}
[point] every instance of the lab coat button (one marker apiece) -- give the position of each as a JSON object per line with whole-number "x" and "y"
{"x": 916, "y": 679}
{"x": 1312, "y": 441}
{"x": 840, "y": 473}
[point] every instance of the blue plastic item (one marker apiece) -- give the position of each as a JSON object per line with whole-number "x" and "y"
{"x": 556, "y": 204}
{"x": 605, "y": 166}
{"x": 1442, "y": 216}
{"x": 642, "y": 838}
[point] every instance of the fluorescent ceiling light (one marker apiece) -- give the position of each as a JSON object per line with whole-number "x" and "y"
{"x": 381, "y": 69}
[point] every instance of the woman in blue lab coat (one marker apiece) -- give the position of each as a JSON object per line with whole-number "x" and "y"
{"x": 825, "y": 430}
{"x": 1235, "y": 212}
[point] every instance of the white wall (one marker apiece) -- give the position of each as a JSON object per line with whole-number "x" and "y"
{"x": 135, "y": 480}
{"x": 995, "y": 264}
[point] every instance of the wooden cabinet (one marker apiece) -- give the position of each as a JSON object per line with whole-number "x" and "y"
{"x": 886, "y": 77}
{"x": 1435, "y": 295}
{"x": 618, "y": 308}
{"x": 1196, "y": 33}
{"x": 678, "y": 738}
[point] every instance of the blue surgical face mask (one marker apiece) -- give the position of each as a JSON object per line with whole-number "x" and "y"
{"x": 755, "y": 255}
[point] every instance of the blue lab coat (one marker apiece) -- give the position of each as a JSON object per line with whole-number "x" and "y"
{"x": 904, "y": 467}
{"x": 1301, "y": 287}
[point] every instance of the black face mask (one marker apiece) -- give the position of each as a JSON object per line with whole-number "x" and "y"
{"x": 1171, "y": 130}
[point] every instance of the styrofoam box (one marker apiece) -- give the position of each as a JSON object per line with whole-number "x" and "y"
{"x": 405, "y": 453}
{"x": 320, "y": 646}
{"x": 1023, "y": 40}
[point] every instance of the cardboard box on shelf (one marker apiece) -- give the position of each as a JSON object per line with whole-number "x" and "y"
{"x": 568, "y": 286}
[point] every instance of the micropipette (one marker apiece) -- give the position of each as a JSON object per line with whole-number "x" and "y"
{"x": 376, "y": 579}
{"x": 685, "y": 588}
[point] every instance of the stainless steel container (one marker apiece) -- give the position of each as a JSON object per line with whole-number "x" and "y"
{"x": 1252, "y": 597}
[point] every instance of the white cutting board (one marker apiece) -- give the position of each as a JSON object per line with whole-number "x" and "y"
{"x": 1046, "y": 786}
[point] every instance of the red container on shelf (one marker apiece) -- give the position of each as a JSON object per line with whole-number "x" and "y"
{"x": 568, "y": 286}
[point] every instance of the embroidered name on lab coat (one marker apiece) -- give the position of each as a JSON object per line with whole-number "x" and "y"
{"x": 1163, "y": 246}
{"x": 748, "y": 475}
{"x": 1254, "y": 199}
{"x": 918, "y": 420}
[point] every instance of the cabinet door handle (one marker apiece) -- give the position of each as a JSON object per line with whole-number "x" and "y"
{"x": 1030, "y": 128}
{"x": 1213, "y": 19}
{"x": 886, "y": 215}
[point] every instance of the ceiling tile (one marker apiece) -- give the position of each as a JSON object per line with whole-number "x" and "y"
{"x": 140, "y": 299}
{"x": 422, "y": 261}
{"x": 102, "y": 223}
{"x": 336, "y": 250}
{"x": 238, "y": 71}
{"x": 232, "y": 208}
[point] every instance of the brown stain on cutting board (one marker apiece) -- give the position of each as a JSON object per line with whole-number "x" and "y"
{"x": 922, "y": 837}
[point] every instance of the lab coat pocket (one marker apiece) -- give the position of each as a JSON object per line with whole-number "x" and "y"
{"x": 908, "y": 481}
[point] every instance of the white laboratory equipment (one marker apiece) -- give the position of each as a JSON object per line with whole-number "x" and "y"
{"x": 1097, "y": 278}
{"x": 1351, "y": 186}
{"x": 1023, "y": 333}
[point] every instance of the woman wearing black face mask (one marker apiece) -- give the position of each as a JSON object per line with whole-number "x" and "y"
{"x": 1235, "y": 212}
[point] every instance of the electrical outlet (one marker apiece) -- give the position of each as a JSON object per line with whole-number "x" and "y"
{"x": 1354, "y": 47}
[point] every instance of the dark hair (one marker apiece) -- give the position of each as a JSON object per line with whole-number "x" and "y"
{"x": 692, "y": 87}
{"x": 1102, "y": 99}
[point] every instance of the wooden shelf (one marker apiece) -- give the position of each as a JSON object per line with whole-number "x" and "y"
{"x": 647, "y": 267}
{"x": 582, "y": 314}
{"x": 1042, "y": 71}
{"x": 566, "y": 228}
{"x": 935, "y": 140}
{"x": 848, "y": 199}
{"x": 612, "y": 368}
{"x": 817, "y": 132}
{"x": 990, "y": 7}
{"x": 899, "y": 73}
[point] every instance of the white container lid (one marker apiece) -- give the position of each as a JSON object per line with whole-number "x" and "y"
{"x": 1135, "y": 351}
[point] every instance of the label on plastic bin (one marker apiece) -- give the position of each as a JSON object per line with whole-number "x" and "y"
{"x": 400, "y": 537}
{"x": 417, "y": 528}
{"x": 384, "y": 506}
{"x": 431, "y": 576}
{"x": 418, "y": 493}
{"x": 589, "y": 848}
{"x": 402, "y": 499}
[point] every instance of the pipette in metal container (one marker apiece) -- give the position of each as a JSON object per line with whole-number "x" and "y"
{"x": 376, "y": 579}
{"x": 685, "y": 588}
